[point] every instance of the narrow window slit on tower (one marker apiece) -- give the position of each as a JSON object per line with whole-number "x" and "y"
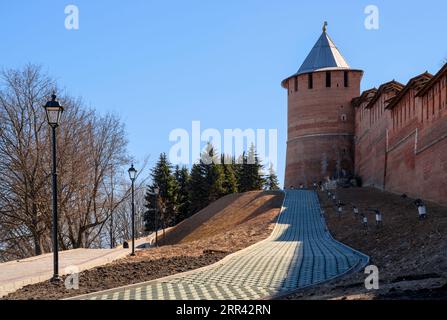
{"x": 328, "y": 79}
{"x": 310, "y": 81}
{"x": 346, "y": 78}
{"x": 296, "y": 83}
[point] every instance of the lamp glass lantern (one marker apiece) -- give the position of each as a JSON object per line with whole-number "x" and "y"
{"x": 132, "y": 173}
{"x": 53, "y": 110}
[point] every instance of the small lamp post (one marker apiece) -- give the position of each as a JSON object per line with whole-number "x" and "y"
{"x": 132, "y": 175}
{"x": 53, "y": 110}
{"x": 422, "y": 209}
{"x": 157, "y": 192}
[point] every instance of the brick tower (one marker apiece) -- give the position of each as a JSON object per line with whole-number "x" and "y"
{"x": 320, "y": 116}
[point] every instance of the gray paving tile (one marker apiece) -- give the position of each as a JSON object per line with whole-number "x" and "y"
{"x": 298, "y": 253}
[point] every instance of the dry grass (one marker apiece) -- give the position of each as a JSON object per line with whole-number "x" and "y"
{"x": 224, "y": 215}
{"x": 411, "y": 255}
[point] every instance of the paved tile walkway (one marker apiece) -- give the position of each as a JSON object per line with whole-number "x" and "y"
{"x": 300, "y": 252}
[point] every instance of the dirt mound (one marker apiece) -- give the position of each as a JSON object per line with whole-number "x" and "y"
{"x": 224, "y": 215}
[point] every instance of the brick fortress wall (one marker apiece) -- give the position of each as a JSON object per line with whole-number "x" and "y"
{"x": 401, "y": 137}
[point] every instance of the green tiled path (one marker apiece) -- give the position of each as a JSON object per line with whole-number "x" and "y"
{"x": 300, "y": 252}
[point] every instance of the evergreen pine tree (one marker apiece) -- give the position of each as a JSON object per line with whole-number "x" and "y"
{"x": 163, "y": 179}
{"x": 150, "y": 215}
{"x": 207, "y": 180}
{"x": 256, "y": 169}
{"x": 238, "y": 165}
{"x": 230, "y": 179}
{"x": 214, "y": 174}
{"x": 250, "y": 172}
{"x": 182, "y": 177}
{"x": 242, "y": 173}
{"x": 271, "y": 180}
{"x": 197, "y": 188}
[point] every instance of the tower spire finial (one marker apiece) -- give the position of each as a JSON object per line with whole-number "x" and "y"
{"x": 325, "y": 26}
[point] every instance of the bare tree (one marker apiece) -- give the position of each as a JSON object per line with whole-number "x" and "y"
{"x": 123, "y": 215}
{"x": 86, "y": 202}
{"x": 91, "y": 149}
{"x": 22, "y": 153}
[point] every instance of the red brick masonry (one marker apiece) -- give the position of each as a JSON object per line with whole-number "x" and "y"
{"x": 393, "y": 137}
{"x": 401, "y": 137}
{"x": 320, "y": 125}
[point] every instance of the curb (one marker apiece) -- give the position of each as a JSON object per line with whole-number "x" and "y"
{"x": 362, "y": 263}
{"x": 114, "y": 254}
{"x": 363, "y": 260}
{"x": 228, "y": 257}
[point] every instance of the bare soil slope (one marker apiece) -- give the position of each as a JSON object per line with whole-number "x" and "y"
{"x": 411, "y": 255}
{"x": 222, "y": 216}
{"x": 226, "y": 226}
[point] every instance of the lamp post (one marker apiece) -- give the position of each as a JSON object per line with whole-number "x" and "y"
{"x": 132, "y": 176}
{"x": 53, "y": 111}
{"x": 157, "y": 192}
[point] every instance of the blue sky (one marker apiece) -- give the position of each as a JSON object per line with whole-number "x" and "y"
{"x": 160, "y": 65}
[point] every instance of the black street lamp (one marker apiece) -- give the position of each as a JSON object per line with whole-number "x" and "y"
{"x": 132, "y": 176}
{"x": 54, "y": 110}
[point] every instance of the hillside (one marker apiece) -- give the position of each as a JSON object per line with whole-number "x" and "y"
{"x": 223, "y": 216}
{"x": 410, "y": 254}
{"x": 226, "y": 226}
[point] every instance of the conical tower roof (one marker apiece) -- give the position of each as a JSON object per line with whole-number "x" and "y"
{"x": 323, "y": 56}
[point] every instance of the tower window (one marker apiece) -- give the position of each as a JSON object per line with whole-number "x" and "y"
{"x": 310, "y": 79}
{"x": 296, "y": 83}
{"x": 328, "y": 79}
{"x": 346, "y": 78}
{"x": 343, "y": 117}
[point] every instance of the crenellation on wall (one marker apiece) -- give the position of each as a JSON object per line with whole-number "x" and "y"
{"x": 371, "y": 135}
{"x": 413, "y": 159}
